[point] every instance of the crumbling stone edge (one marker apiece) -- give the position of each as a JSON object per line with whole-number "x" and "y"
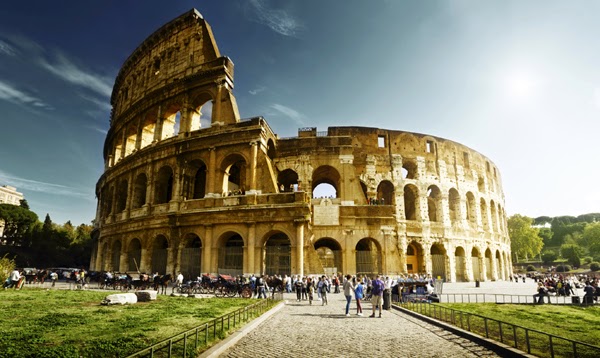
{"x": 501, "y": 349}
{"x": 219, "y": 348}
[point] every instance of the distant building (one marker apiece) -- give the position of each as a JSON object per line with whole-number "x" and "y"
{"x": 9, "y": 195}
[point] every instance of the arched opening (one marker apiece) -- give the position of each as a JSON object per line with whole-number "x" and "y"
{"x": 484, "y": 215}
{"x": 368, "y": 257}
{"x": 325, "y": 175}
{"x": 199, "y": 171}
{"x": 411, "y": 205}
{"x": 434, "y": 203}
{"x": 288, "y": 180}
{"x": 278, "y": 255}
{"x": 148, "y": 127}
{"x": 438, "y": 261}
{"x": 471, "y": 209}
{"x": 409, "y": 169}
{"x": 171, "y": 123}
{"x": 134, "y": 255}
{"x": 488, "y": 264}
{"x": 191, "y": 256}
{"x": 385, "y": 193}
{"x": 201, "y": 112}
{"x": 234, "y": 177}
{"x": 160, "y": 250}
{"x": 476, "y": 264}
{"x": 118, "y": 149}
{"x": 499, "y": 266}
{"x": 139, "y": 191}
{"x": 461, "y": 264}
{"x": 231, "y": 255}
{"x": 130, "y": 139}
{"x": 414, "y": 258}
{"x": 107, "y": 200}
{"x": 271, "y": 151}
{"x": 122, "y": 196}
{"x": 164, "y": 185}
{"x": 494, "y": 216}
{"x": 481, "y": 185}
{"x": 329, "y": 252}
{"x": 115, "y": 261}
{"x": 454, "y": 206}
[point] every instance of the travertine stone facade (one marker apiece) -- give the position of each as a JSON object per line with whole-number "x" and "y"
{"x": 191, "y": 187}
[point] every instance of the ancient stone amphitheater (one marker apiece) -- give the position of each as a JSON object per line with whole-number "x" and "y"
{"x": 189, "y": 186}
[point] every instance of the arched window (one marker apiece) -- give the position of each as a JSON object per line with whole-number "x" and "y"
{"x": 287, "y": 179}
{"x": 471, "y": 218}
{"x": 385, "y": 193}
{"x": 329, "y": 252}
{"x": 325, "y": 175}
{"x": 164, "y": 185}
{"x": 234, "y": 178}
{"x": 191, "y": 256}
{"x": 434, "y": 203}
{"x": 278, "y": 255}
{"x": 368, "y": 257}
{"x": 454, "y": 205}
{"x": 160, "y": 250}
{"x": 122, "y": 196}
{"x": 411, "y": 195}
{"x": 139, "y": 191}
{"x": 409, "y": 169}
{"x": 134, "y": 255}
{"x": 231, "y": 255}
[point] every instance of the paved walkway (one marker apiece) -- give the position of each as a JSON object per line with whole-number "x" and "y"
{"x": 303, "y": 330}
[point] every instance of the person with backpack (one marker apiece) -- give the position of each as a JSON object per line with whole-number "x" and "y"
{"x": 377, "y": 287}
{"x": 324, "y": 290}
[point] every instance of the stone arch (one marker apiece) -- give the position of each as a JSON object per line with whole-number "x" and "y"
{"x": 484, "y": 215}
{"x": 277, "y": 254}
{"x": 231, "y": 254}
{"x": 160, "y": 252}
{"x": 287, "y": 179}
{"x": 115, "y": 259}
{"x": 148, "y": 128}
{"x": 198, "y": 184}
{"x": 499, "y": 266}
{"x": 171, "y": 123}
{"x": 271, "y": 149}
{"x": 163, "y": 186}
{"x": 368, "y": 257}
{"x": 494, "y": 215}
{"x": 385, "y": 193}
{"x": 409, "y": 169}
{"x": 471, "y": 209}
{"x": 122, "y": 190}
{"x": 454, "y": 205}
{"x": 117, "y": 147}
{"x": 488, "y": 264}
{"x": 191, "y": 256}
{"x": 139, "y": 191}
{"x": 434, "y": 203}
{"x": 411, "y": 202}
{"x": 438, "y": 261}
{"x": 414, "y": 258}
{"x": 200, "y": 112}
{"x": 329, "y": 252}
{"x": 233, "y": 168}
{"x": 476, "y": 264}
{"x": 134, "y": 255}
{"x": 481, "y": 185}
{"x": 107, "y": 200}
{"x": 460, "y": 262}
{"x": 130, "y": 139}
{"x": 326, "y": 174}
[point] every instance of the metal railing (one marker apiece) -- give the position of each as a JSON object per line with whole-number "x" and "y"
{"x": 532, "y": 341}
{"x": 186, "y": 344}
{"x": 504, "y": 298}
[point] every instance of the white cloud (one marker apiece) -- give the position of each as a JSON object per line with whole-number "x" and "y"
{"x": 289, "y": 112}
{"x": 278, "y": 20}
{"x": 103, "y": 105}
{"x": 98, "y": 129}
{"x": 11, "y": 94}
{"x": 65, "y": 69}
{"x": 42, "y": 187}
{"x": 7, "y": 49}
{"x": 257, "y": 90}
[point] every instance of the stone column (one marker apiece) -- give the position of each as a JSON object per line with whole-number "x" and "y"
{"x": 138, "y": 135}
{"x": 494, "y": 268}
{"x": 207, "y": 266}
{"x": 427, "y": 259}
{"x": 212, "y": 163}
{"x": 216, "y": 111}
{"x": 250, "y": 261}
{"x": 469, "y": 267}
{"x": 450, "y": 264}
{"x": 252, "y": 171}
{"x": 159, "y": 124}
{"x": 300, "y": 247}
{"x": 403, "y": 245}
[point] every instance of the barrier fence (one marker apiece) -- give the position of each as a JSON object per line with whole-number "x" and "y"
{"x": 505, "y": 298}
{"x": 525, "y": 339}
{"x": 186, "y": 344}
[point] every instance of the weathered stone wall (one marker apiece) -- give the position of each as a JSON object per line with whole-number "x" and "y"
{"x": 224, "y": 195}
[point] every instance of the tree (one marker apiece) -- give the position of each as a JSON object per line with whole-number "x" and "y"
{"x": 546, "y": 235}
{"x": 24, "y": 204}
{"x": 571, "y": 252}
{"x": 17, "y": 221}
{"x": 525, "y": 239}
{"x": 549, "y": 257}
{"x": 591, "y": 238}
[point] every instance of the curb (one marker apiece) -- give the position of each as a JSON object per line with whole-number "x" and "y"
{"x": 501, "y": 349}
{"x": 219, "y": 348}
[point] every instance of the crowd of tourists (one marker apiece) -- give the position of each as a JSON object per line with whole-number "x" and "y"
{"x": 565, "y": 285}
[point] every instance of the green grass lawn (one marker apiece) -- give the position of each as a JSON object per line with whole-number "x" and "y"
{"x": 63, "y": 323}
{"x": 579, "y": 323}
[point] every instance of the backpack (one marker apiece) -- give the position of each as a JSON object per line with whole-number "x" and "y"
{"x": 377, "y": 287}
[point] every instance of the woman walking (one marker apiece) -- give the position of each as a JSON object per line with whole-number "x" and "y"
{"x": 358, "y": 294}
{"x": 348, "y": 290}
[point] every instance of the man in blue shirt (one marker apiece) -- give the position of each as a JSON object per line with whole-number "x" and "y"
{"x": 377, "y": 295}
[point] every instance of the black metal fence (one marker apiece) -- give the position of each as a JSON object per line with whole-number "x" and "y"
{"x": 186, "y": 344}
{"x": 503, "y": 298}
{"x": 525, "y": 339}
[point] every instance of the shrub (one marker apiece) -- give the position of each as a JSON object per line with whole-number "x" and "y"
{"x": 6, "y": 267}
{"x": 588, "y": 260}
{"x": 548, "y": 257}
{"x": 563, "y": 268}
{"x": 530, "y": 268}
{"x": 595, "y": 266}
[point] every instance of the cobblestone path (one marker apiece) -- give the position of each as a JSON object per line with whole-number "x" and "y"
{"x": 303, "y": 330}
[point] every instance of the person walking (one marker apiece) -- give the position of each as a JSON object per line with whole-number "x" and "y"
{"x": 324, "y": 289}
{"x": 310, "y": 289}
{"x": 348, "y": 290}
{"x": 358, "y": 295}
{"x": 377, "y": 287}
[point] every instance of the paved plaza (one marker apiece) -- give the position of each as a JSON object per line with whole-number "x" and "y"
{"x": 300, "y": 329}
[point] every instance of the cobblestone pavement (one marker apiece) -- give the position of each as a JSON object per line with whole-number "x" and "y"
{"x": 300, "y": 329}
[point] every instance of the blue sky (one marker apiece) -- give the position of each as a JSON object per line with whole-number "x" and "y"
{"x": 518, "y": 81}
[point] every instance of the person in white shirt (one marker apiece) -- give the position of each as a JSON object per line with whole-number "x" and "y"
{"x": 179, "y": 281}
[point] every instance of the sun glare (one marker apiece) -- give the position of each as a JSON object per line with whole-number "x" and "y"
{"x": 520, "y": 85}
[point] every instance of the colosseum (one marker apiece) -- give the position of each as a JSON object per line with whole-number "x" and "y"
{"x": 190, "y": 186}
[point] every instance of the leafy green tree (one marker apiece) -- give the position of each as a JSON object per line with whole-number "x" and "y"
{"x": 573, "y": 253}
{"x": 591, "y": 238}
{"x": 6, "y": 267}
{"x": 17, "y": 221}
{"x": 546, "y": 235}
{"x": 549, "y": 257}
{"x": 525, "y": 239}
{"x": 23, "y": 203}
